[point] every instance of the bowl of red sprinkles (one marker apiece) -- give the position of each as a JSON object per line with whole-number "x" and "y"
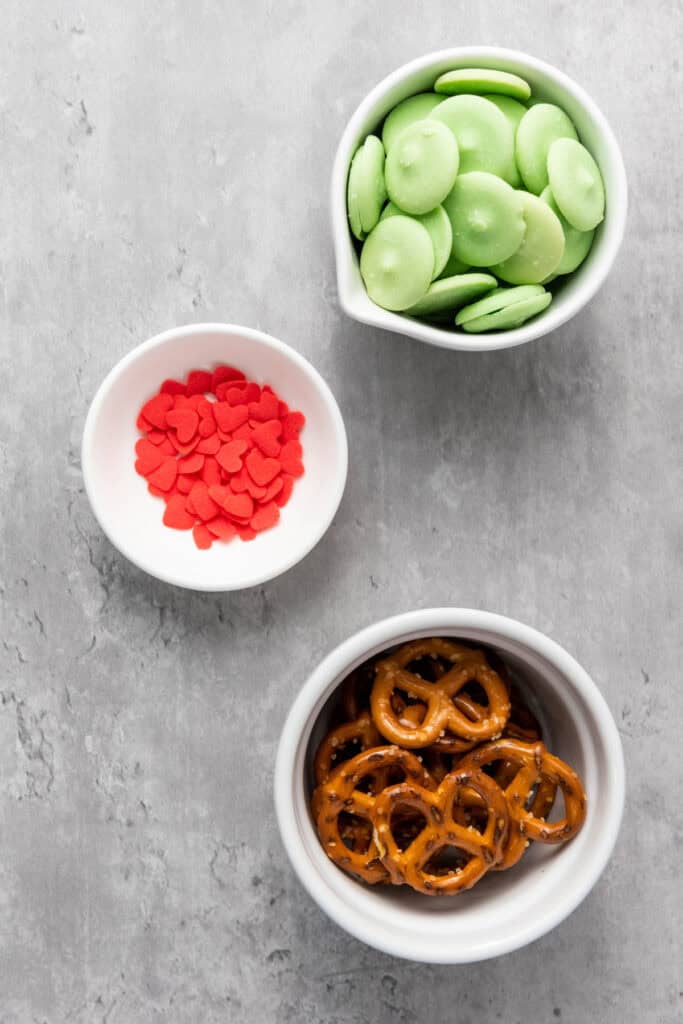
{"x": 214, "y": 457}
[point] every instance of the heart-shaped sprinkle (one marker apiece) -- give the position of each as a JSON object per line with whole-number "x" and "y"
{"x": 290, "y": 458}
{"x": 265, "y": 409}
{"x": 211, "y": 473}
{"x": 243, "y": 482}
{"x": 273, "y": 488}
{"x": 244, "y": 433}
{"x": 222, "y": 527}
{"x": 236, "y": 395}
{"x": 265, "y": 517}
{"x": 219, "y": 493}
{"x": 199, "y": 381}
{"x": 182, "y": 449}
{"x": 205, "y": 507}
{"x": 229, "y": 417}
{"x": 224, "y": 373}
{"x": 206, "y": 427}
{"x": 185, "y": 483}
{"x": 192, "y": 464}
{"x": 185, "y": 422}
{"x": 209, "y": 445}
{"x": 292, "y": 425}
{"x": 164, "y": 477}
{"x": 229, "y": 456}
{"x": 286, "y": 492}
{"x": 156, "y": 436}
{"x": 203, "y": 538}
{"x": 149, "y": 457}
{"x": 266, "y": 435}
{"x": 239, "y": 505}
{"x": 246, "y": 533}
{"x": 173, "y": 387}
{"x": 261, "y": 469}
{"x": 176, "y": 515}
{"x": 155, "y": 410}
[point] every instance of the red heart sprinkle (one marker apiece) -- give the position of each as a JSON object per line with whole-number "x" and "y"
{"x": 266, "y": 437}
{"x": 290, "y": 458}
{"x": 203, "y": 538}
{"x": 166, "y": 448}
{"x": 185, "y": 484}
{"x": 261, "y": 470}
{"x": 265, "y": 409}
{"x": 292, "y": 425}
{"x": 164, "y": 477}
{"x": 239, "y": 505}
{"x": 211, "y": 473}
{"x": 235, "y": 395}
{"x": 209, "y": 445}
{"x": 192, "y": 464}
{"x": 272, "y": 490}
{"x": 244, "y": 433}
{"x": 243, "y": 482}
{"x": 149, "y": 457}
{"x": 229, "y": 457}
{"x": 155, "y": 410}
{"x": 265, "y": 517}
{"x": 156, "y": 436}
{"x": 223, "y": 373}
{"x": 286, "y": 492}
{"x": 176, "y": 515}
{"x": 157, "y": 492}
{"x": 185, "y": 422}
{"x": 219, "y": 493}
{"x": 173, "y": 387}
{"x": 206, "y": 427}
{"x": 221, "y": 527}
{"x": 199, "y": 381}
{"x": 142, "y": 424}
{"x": 246, "y": 532}
{"x": 182, "y": 449}
{"x": 229, "y": 417}
{"x": 282, "y": 409}
{"x": 205, "y": 506}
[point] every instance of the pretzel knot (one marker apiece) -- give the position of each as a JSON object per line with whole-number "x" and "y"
{"x": 530, "y": 793}
{"x": 340, "y": 795}
{"x": 478, "y": 850}
{"x": 472, "y": 721}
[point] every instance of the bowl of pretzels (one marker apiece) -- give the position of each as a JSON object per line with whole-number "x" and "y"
{"x": 449, "y": 785}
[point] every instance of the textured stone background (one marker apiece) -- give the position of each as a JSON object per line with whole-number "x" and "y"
{"x": 169, "y": 163}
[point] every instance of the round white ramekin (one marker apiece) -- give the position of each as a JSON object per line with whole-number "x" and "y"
{"x": 548, "y": 83}
{"x": 508, "y": 909}
{"x": 132, "y": 518}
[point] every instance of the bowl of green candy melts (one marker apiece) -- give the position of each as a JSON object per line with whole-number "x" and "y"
{"x": 479, "y": 200}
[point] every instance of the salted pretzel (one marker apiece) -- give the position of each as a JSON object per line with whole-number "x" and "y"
{"x": 360, "y": 732}
{"x": 467, "y": 665}
{"x": 411, "y": 863}
{"x": 340, "y": 795}
{"x": 536, "y": 768}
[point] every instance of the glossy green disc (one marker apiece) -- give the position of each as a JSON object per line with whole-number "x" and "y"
{"x": 482, "y": 80}
{"x": 512, "y": 316}
{"x": 486, "y": 217}
{"x": 439, "y": 227}
{"x": 576, "y": 184}
{"x": 499, "y": 299}
{"x": 366, "y": 191}
{"x": 396, "y": 262}
{"x": 539, "y": 128}
{"x": 452, "y": 292}
{"x": 415, "y": 108}
{"x": 484, "y": 135}
{"x": 576, "y": 243}
{"x": 421, "y": 166}
{"x": 542, "y": 247}
{"x": 514, "y": 111}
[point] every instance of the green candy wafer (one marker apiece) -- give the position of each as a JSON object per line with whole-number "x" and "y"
{"x": 453, "y": 264}
{"x": 511, "y": 316}
{"x": 451, "y": 292}
{"x": 499, "y": 299}
{"x": 366, "y": 191}
{"x": 539, "y": 128}
{"x": 576, "y": 243}
{"x": 421, "y": 166}
{"x": 397, "y": 262}
{"x": 415, "y": 108}
{"x": 484, "y": 135}
{"x": 542, "y": 247}
{"x": 514, "y": 111}
{"x": 482, "y": 80}
{"x": 439, "y": 227}
{"x": 576, "y": 184}
{"x": 486, "y": 217}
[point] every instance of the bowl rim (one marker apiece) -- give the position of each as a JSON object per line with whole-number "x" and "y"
{"x": 249, "y": 334}
{"x": 299, "y": 724}
{"x": 615, "y": 224}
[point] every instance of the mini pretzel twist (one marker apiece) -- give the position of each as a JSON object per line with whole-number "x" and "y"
{"x": 362, "y": 733}
{"x": 483, "y": 848}
{"x": 536, "y": 770}
{"x": 441, "y": 711}
{"x": 340, "y": 794}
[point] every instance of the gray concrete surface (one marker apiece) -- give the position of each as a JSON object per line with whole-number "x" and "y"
{"x": 168, "y": 162}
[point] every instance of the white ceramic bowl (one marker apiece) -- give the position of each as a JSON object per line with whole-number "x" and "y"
{"x": 507, "y": 909}
{"x": 131, "y": 517}
{"x": 546, "y": 83}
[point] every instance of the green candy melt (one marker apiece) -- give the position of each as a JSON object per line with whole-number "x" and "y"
{"x": 514, "y": 112}
{"x": 415, "y": 108}
{"x": 542, "y": 247}
{"x": 421, "y": 166}
{"x": 482, "y": 80}
{"x": 453, "y": 264}
{"x": 484, "y": 135}
{"x": 499, "y": 299}
{"x": 366, "y": 191}
{"x": 439, "y": 227}
{"x": 450, "y": 293}
{"x": 486, "y": 217}
{"x": 539, "y": 128}
{"x": 577, "y": 244}
{"x": 576, "y": 184}
{"x": 511, "y": 316}
{"x": 397, "y": 262}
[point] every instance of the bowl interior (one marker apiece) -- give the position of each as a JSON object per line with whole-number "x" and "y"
{"x": 504, "y": 906}
{"x": 131, "y": 517}
{"x": 548, "y": 85}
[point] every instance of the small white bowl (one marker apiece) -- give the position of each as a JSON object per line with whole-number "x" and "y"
{"x": 132, "y": 518}
{"x": 546, "y": 83}
{"x": 507, "y": 909}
